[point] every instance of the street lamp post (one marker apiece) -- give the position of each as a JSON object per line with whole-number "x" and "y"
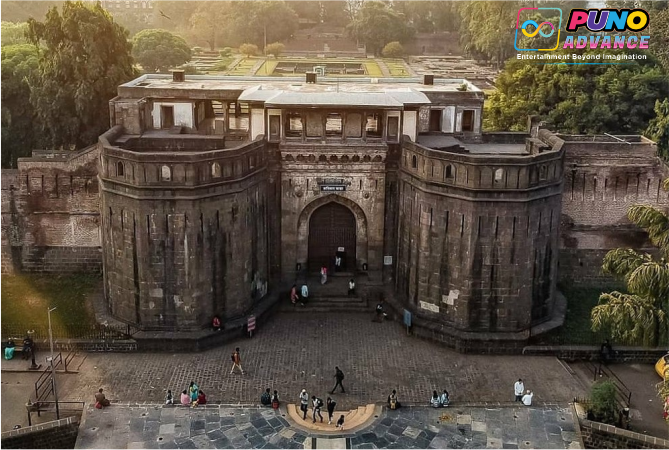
{"x": 53, "y": 369}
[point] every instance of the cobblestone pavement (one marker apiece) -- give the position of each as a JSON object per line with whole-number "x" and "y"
{"x": 296, "y": 350}
{"x": 417, "y": 427}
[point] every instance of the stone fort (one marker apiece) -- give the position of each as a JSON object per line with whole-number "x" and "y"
{"x": 209, "y": 194}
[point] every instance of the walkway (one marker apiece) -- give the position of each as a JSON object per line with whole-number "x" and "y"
{"x": 300, "y": 350}
{"x": 155, "y": 426}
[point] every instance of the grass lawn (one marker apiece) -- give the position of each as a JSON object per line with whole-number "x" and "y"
{"x": 373, "y": 69}
{"x": 396, "y": 67}
{"x": 26, "y": 298}
{"x": 244, "y": 67}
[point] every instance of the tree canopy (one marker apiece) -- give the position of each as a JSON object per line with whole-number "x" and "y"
{"x": 84, "y": 56}
{"x": 640, "y": 316}
{"x": 376, "y": 24}
{"x": 159, "y": 50}
{"x": 14, "y": 33}
{"x": 19, "y": 131}
{"x": 578, "y": 98}
{"x": 658, "y": 128}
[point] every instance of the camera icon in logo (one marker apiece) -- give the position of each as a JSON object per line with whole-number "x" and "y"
{"x": 541, "y": 32}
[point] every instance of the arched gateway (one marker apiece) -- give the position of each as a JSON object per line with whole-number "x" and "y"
{"x": 332, "y": 232}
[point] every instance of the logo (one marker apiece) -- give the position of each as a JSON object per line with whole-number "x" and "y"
{"x": 531, "y": 28}
{"x": 608, "y": 20}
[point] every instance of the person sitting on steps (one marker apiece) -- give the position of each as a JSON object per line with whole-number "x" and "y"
{"x": 393, "y": 403}
{"x": 266, "y": 398}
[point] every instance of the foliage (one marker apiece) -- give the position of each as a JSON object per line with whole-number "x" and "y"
{"x": 603, "y": 403}
{"x": 174, "y": 16}
{"x": 209, "y": 22}
{"x": 276, "y": 48}
{"x": 393, "y": 50}
{"x": 498, "y": 19}
{"x": 260, "y": 22}
{"x": 190, "y": 69}
{"x": 376, "y": 24}
{"x": 640, "y": 316}
{"x": 248, "y": 49}
{"x": 84, "y": 56}
{"x": 159, "y": 50}
{"x": 658, "y": 29}
{"x": 663, "y": 393}
{"x": 658, "y": 128}
{"x": 227, "y": 51}
{"x": 19, "y": 132}
{"x": 578, "y": 98}
{"x": 26, "y": 298}
{"x": 14, "y": 33}
{"x": 430, "y": 17}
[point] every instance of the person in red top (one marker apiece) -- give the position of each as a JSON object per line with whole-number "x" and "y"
{"x": 293, "y": 295}
{"x": 324, "y": 275}
{"x": 216, "y": 323}
{"x": 201, "y": 398}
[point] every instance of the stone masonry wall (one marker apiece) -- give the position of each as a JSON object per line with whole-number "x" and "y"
{"x": 56, "y": 434}
{"x": 478, "y": 238}
{"x": 50, "y": 213}
{"x": 602, "y": 436}
{"x": 602, "y": 181}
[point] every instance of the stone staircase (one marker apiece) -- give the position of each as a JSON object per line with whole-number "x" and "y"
{"x": 354, "y": 419}
{"x": 331, "y": 297}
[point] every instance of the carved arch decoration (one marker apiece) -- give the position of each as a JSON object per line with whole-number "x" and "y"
{"x": 361, "y": 239}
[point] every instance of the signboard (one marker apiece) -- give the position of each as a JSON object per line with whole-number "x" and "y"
{"x": 340, "y": 249}
{"x": 387, "y": 260}
{"x": 429, "y": 306}
{"x": 251, "y": 324}
{"x": 407, "y": 317}
{"x": 330, "y": 188}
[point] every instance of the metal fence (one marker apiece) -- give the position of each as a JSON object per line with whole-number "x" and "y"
{"x": 67, "y": 331}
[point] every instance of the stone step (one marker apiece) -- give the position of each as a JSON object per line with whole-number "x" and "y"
{"x": 353, "y": 419}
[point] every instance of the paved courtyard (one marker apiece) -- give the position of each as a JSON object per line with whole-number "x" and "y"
{"x": 156, "y": 426}
{"x": 300, "y": 350}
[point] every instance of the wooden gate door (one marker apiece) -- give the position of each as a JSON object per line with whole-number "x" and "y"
{"x": 331, "y": 226}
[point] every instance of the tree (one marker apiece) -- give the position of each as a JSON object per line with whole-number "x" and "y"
{"x": 376, "y": 24}
{"x": 19, "y": 131}
{"x": 641, "y": 316}
{"x": 209, "y": 22}
{"x": 159, "y": 50}
{"x": 603, "y": 404}
{"x": 84, "y": 56}
{"x": 174, "y": 16}
{"x": 659, "y": 37}
{"x": 260, "y": 22}
{"x": 658, "y": 128}
{"x": 276, "y": 48}
{"x": 578, "y": 98}
{"x": 393, "y": 50}
{"x": 488, "y": 27}
{"x": 248, "y": 50}
{"x": 14, "y": 33}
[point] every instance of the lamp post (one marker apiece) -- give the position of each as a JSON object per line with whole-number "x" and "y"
{"x": 53, "y": 369}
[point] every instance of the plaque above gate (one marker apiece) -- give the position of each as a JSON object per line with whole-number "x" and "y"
{"x": 332, "y": 188}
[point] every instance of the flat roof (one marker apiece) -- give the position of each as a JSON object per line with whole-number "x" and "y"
{"x": 439, "y": 142}
{"x": 299, "y": 84}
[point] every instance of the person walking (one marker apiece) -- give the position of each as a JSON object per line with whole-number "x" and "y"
{"x": 236, "y": 361}
{"x": 304, "y": 403}
{"x": 324, "y": 275}
{"x": 351, "y": 288}
{"x": 337, "y": 263}
{"x": 519, "y": 388}
{"x": 339, "y": 376}
{"x": 330, "y": 405}
{"x": 317, "y": 404}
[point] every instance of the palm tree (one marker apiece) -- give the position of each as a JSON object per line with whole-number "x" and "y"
{"x": 641, "y": 316}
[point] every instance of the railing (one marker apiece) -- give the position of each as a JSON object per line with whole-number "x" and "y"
{"x": 68, "y": 331}
{"x": 623, "y": 393}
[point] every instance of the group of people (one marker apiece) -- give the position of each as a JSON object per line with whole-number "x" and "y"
{"x": 317, "y": 403}
{"x": 268, "y": 399}
{"x": 300, "y": 296}
{"x": 521, "y": 395}
{"x": 440, "y": 401}
{"x": 191, "y": 396}
{"x": 28, "y": 348}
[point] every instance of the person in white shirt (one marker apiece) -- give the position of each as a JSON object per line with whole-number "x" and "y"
{"x": 527, "y": 398}
{"x": 351, "y": 287}
{"x": 519, "y": 388}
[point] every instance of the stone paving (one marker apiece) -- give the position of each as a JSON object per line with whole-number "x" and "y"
{"x": 296, "y": 350}
{"x": 155, "y": 426}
